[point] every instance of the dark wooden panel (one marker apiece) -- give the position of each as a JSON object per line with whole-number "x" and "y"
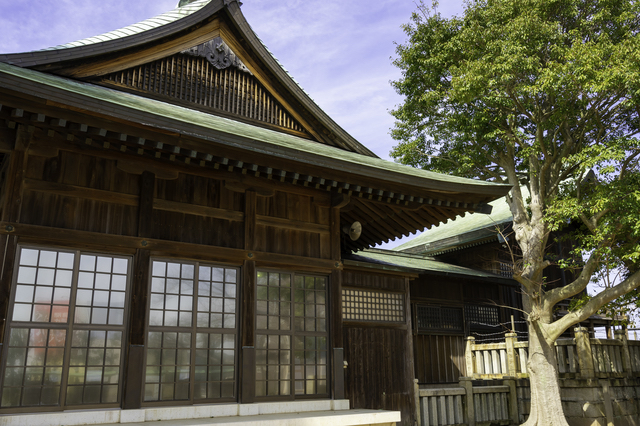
{"x": 366, "y": 280}
{"x": 145, "y": 206}
{"x": 378, "y": 375}
{"x": 437, "y": 287}
{"x": 438, "y": 358}
{"x": 8, "y": 246}
{"x": 195, "y": 80}
{"x": 133, "y": 384}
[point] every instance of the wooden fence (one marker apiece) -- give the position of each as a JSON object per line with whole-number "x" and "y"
{"x": 578, "y": 357}
{"x": 451, "y": 406}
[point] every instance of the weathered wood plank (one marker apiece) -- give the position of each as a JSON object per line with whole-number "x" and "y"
{"x": 292, "y": 224}
{"x": 212, "y": 212}
{"x": 81, "y": 192}
{"x": 93, "y": 240}
{"x": 250, "y": 220}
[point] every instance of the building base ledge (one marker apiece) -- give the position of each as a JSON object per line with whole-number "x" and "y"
{"x": 291, "y": 413}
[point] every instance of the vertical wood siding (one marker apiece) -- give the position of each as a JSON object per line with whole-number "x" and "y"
{"x": 69, "y": 212}
{"x": 194, "y": 79}
{"x": 438, "y": 359}
{"x": 377, "y": 375}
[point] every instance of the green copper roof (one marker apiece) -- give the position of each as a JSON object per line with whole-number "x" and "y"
{"x": 200, "y": 124}
{"x": 419, "y": 263}
{"x": 146, "y": 25}
{"x": 458, "y": 227}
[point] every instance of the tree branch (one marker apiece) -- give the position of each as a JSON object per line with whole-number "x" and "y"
{"x": 559, "y": 326}
{"x": 557, "y": 294}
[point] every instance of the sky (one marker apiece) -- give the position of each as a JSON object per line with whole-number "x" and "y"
{"x": 339, "y": 51}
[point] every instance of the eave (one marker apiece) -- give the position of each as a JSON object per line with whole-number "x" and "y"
{"x": 390, "y": 200}
{"x": 215, "y": 18}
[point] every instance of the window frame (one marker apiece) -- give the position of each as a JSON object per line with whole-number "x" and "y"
{"x": 69, "y": 326}
{"x": 291, "y": 332}
{"x": 193, "y": 329}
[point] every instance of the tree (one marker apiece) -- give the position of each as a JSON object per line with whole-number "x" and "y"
{"x": 535, "y": 92}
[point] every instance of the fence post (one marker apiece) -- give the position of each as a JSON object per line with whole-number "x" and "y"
{"x": 583, "y": 349}
{"x": 510, "y": 342}
{"x": 416, "y": 391}
{"x": 468, "y": 356}
{"x": 513, "y": 400}
{"x": 626, "y": 355}
{"x": 470, "y": 408}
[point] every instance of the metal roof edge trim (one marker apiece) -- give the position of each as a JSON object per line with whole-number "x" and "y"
{"x": 91, "y": 49}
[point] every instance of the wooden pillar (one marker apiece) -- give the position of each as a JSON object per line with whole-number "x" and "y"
{"x": 470, "y": 408}
{"x": 8, "y": 247}
{"x": 15, "y": 176}
{"x": 248, "y": 333}
{"x": 336, "y": 334}
{"x": 134, "y": 367}
{"x": 145, "y": 206}
{"x": 514, "y": 415}
{"x": 248, "y": 302}
{"x": 409, "y": 364}
{"x": 11, "y": 213}
{"x": 250, "y": 216}
{"x": 627, "y": 367}
{"x": 583, "y": 350}
{"x": 468, "y": 356}
{"x": 510, "y": 341}
{"x": 335, "y": 296}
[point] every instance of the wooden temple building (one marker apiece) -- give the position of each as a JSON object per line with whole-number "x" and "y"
{"x": 177, "y": 220}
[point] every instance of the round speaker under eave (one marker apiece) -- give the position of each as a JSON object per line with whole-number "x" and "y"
{"x": 353, "y": 231}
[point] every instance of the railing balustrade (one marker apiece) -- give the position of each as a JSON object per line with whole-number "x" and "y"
{"x": 579, "y": 357}
{"x": 617, "y": 357}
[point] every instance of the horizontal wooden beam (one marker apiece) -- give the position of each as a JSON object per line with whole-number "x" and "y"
{"x": 96, "y": 240}
{"x": 81, "y": 192}
{"x": 295, "y": 225}
{"x": 194, "y": 209}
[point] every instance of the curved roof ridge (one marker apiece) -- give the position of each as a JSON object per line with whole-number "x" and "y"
{"x": 138, "y": 27}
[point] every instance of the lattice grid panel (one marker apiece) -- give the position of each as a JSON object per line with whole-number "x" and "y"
{"x": 369, "y": 305}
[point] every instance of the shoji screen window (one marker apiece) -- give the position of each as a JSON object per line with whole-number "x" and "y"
{"x": 66, "y": 329}
{"x": 191, "y": 348}
{"x": 291, "y": 335}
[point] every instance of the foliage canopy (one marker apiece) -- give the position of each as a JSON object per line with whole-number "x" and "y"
{"x": 544, "y": 93}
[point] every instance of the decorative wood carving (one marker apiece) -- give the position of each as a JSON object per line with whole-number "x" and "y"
{"x": 218, "y": 54}
{"x": 195, "y": 78}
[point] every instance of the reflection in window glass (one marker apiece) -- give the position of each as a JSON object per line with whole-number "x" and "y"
{"x": 41, "y": 354}
{"x": 291, "y": 340}
{"x": 175, "y": 334}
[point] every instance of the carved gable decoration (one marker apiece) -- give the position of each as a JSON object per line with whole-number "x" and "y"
{"x": 208, "y": 76}
{"x": 218, "y": 54}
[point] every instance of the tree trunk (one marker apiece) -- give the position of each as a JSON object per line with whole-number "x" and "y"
{"x": 546, "y": 407}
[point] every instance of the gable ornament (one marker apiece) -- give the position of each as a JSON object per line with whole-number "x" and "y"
{"x": 218, "y": 53}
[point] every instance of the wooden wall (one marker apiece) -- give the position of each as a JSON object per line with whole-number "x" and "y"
{"x": 85, "y": 192}
{"x": 438, "y": 358}
{"x": 75, "y": 196}
{"x": 379, "y": 355}
{"x": 439, "y": 354}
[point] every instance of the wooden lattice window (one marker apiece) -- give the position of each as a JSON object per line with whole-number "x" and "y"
{"x": 438, "y": 318}
{"x": 66, "y": 329}
{"x": 291, "y": 337}
{"x": 192, "y": 332}
{"x": 196, "y": 80}
{"x": 372, "y": 305}
{"x": 481, "y": 316}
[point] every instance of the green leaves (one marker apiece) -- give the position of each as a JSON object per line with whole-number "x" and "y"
{"x": 545, "y": 92}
